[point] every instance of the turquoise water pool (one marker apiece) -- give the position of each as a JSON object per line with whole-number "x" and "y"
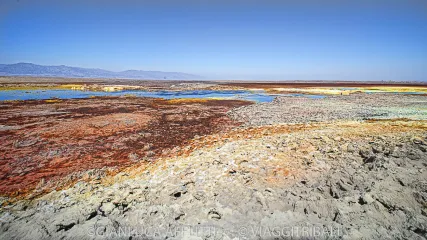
{"x": 258, "y": 96}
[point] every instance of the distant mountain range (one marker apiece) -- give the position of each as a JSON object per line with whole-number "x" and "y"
{"x": 29, "y": 69}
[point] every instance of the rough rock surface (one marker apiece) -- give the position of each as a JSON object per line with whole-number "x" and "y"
{"x": 354, "y": 179}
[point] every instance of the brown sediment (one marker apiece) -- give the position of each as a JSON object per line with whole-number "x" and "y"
{"x": 53, "y": 142}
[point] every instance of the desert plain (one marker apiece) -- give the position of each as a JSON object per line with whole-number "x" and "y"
{"x": 320, "y": 160}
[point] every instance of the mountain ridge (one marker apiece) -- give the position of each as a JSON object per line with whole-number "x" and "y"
{"x": 31, "y": 69}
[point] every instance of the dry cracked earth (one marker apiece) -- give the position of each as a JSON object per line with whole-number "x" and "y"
{"x": 343, "y": 167}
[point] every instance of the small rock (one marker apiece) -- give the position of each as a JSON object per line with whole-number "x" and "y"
{"x": 150, "y": 154}
{"x": 147, "y": 147}
{"x": 133, "y": 157}
{"x": 344, "y": 186}
{"x": 367, "y": 199}
{"x": 25, "y": 143}
{"x": 418, "y": 140}
{"x": 199, "y": 195}
{"x": 107, "y": 208}
{"x": 334, "y": 192}
{"x": 365, "y": 152}
{"x": 351, "y": 148}
{"x": 377, "y": 148}
{"x": 213, "y": 214}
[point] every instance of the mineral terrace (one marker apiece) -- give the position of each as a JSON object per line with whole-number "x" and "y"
{"x": 351, "y": 167}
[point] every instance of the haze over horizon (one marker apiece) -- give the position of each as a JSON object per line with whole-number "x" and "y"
{"x": 332, "y": 40}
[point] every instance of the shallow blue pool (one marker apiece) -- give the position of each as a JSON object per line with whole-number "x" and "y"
{"x": 258, "y": 96}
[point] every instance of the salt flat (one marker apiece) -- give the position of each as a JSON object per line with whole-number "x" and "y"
{"x": 338, "y": 167}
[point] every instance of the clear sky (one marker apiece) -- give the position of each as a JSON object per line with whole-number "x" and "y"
{"x": 271, "y": 40}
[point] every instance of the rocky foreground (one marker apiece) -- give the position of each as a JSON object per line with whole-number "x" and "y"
{"x": 269, "y": 179}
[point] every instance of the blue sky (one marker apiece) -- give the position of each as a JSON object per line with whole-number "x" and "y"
{"x": 334, "y": 40}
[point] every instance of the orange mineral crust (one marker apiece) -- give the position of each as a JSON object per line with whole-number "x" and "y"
{"x": 52, "y": 143}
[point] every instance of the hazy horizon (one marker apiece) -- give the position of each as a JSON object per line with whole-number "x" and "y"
{"x": 332, "y": 40}
{"x": 202, "y": 78}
